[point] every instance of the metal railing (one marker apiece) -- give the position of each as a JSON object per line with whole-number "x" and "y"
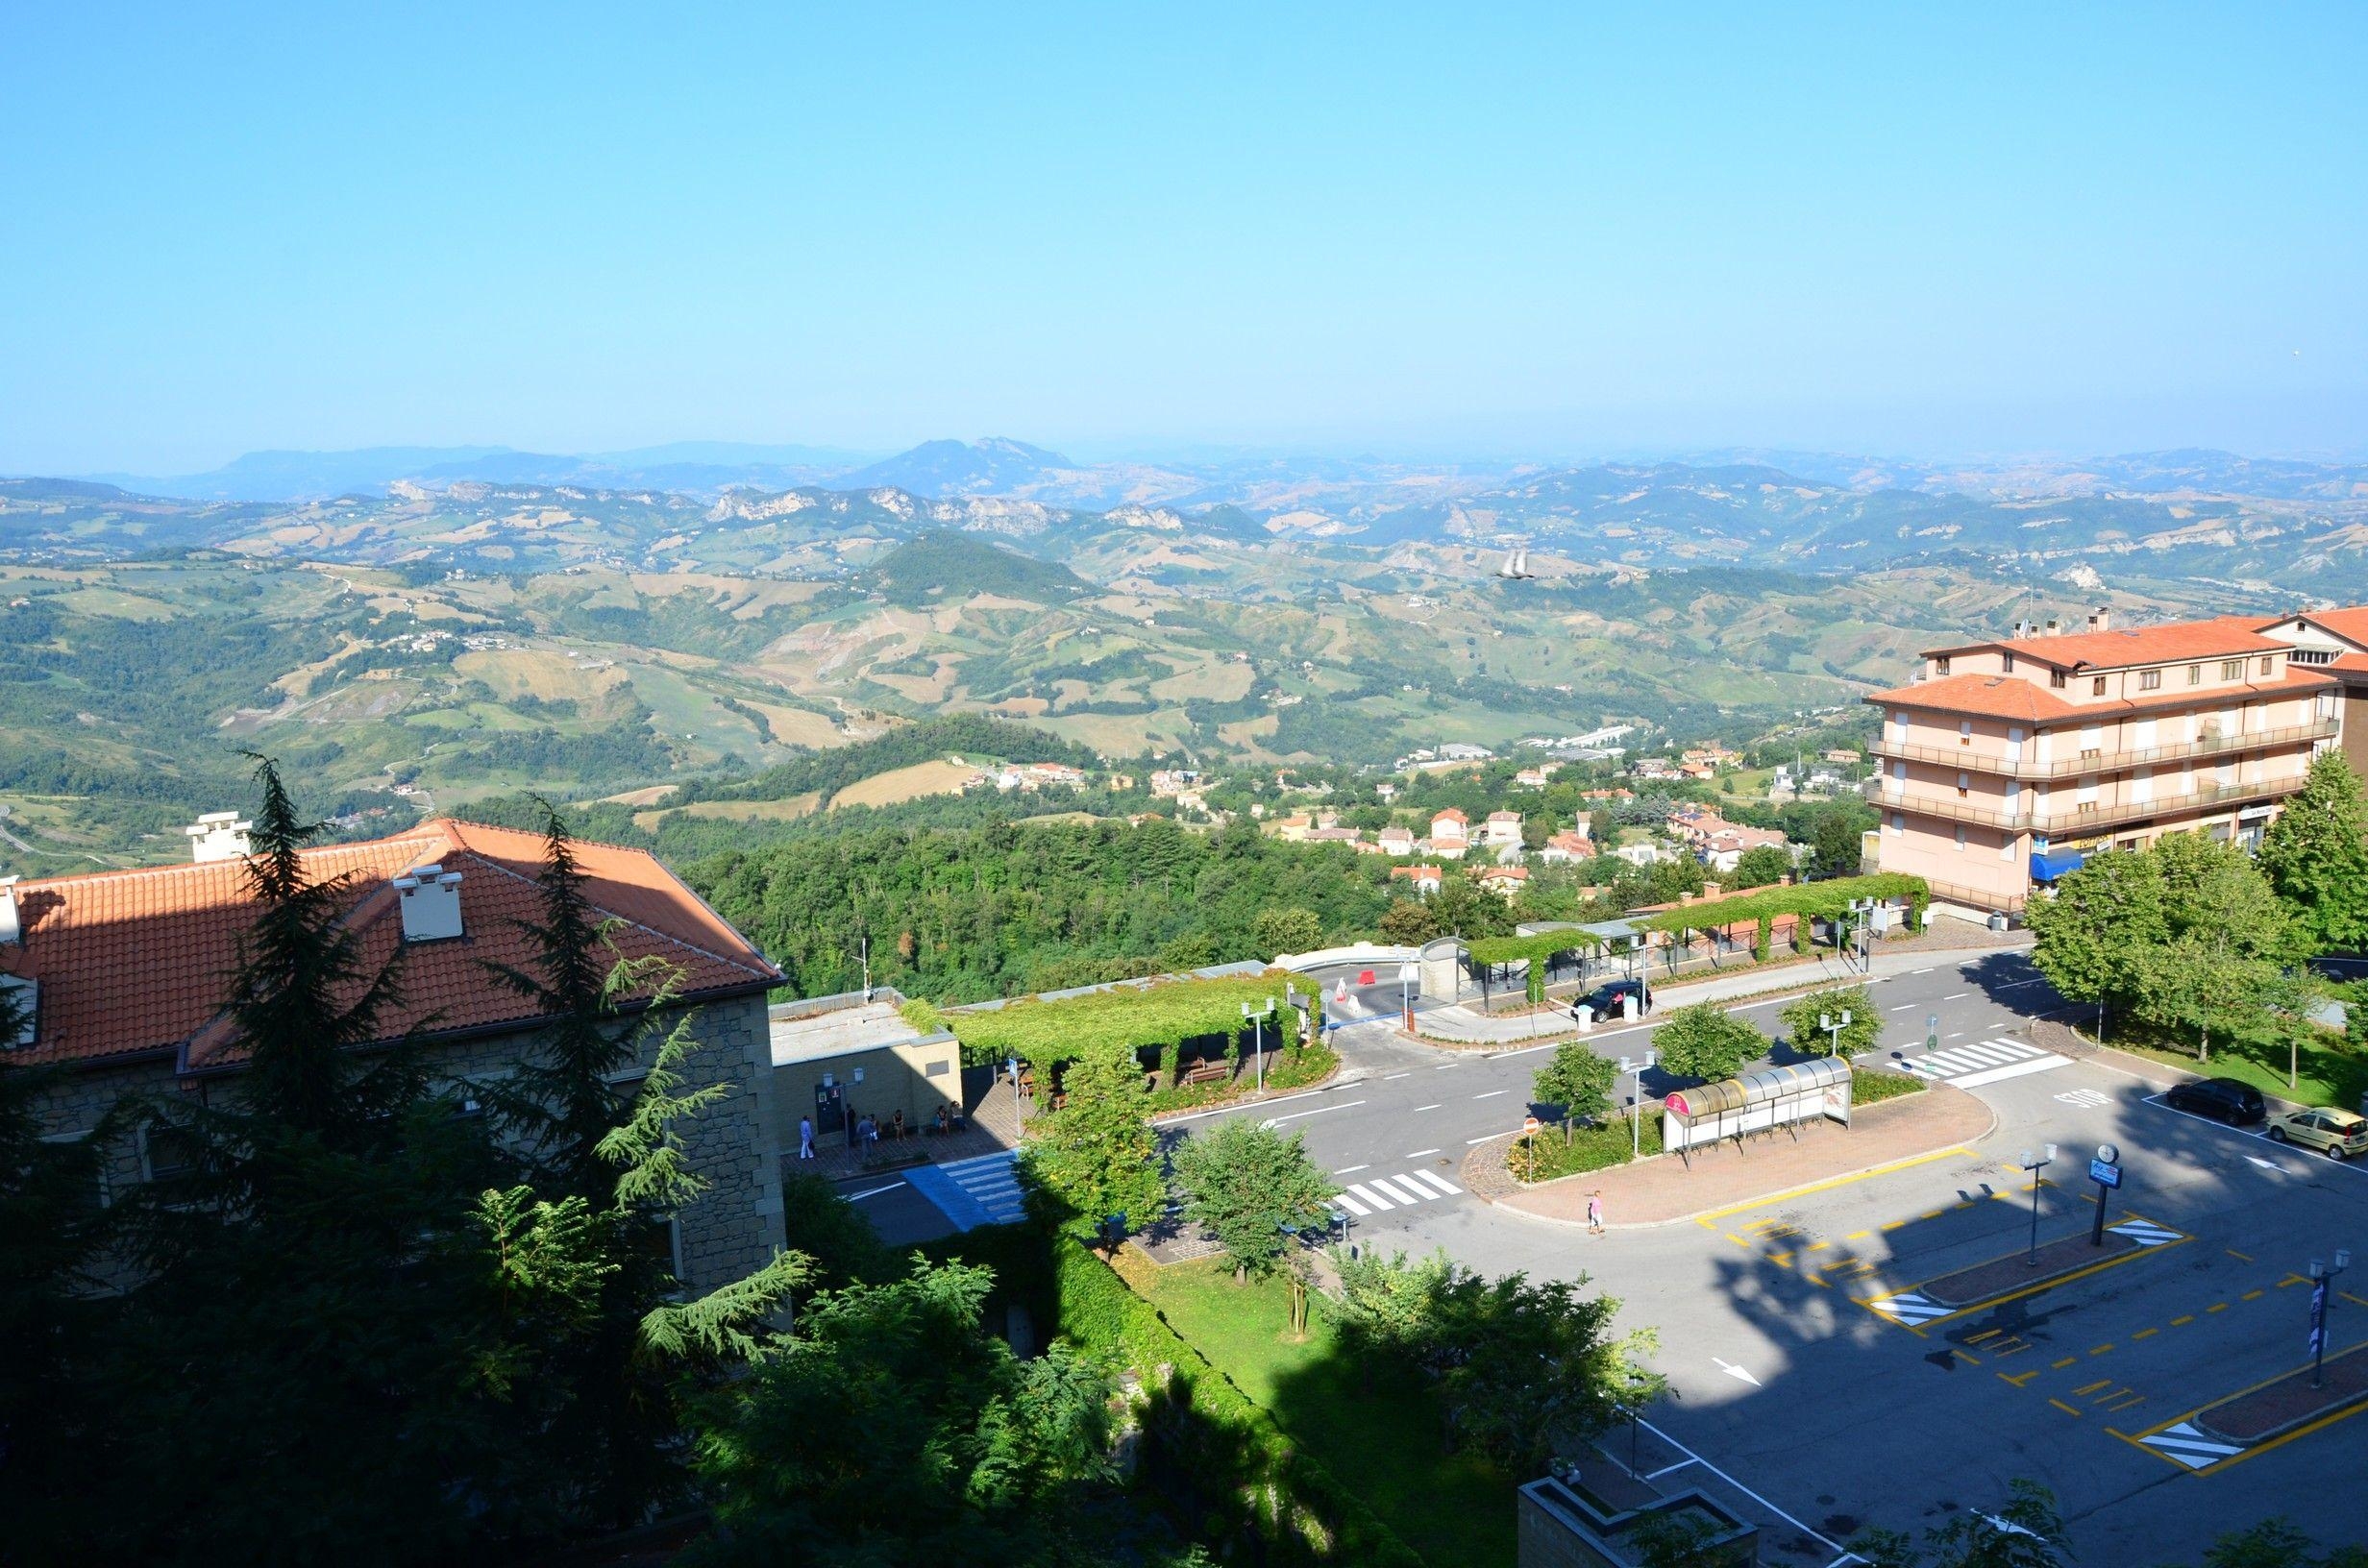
{"x": 1955, "y": 892}
{"x": 2077, "y": 817}
{"x": 2103, "y": 759}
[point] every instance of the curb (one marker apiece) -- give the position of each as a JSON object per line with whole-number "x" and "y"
{"x": 1902, "y": 1160}
{"x": 2203, "y": 1418}
{"x": 1338, "y": 1065}
{"x": 1752, "y": 998}
{"x": 2026, "y": 1282}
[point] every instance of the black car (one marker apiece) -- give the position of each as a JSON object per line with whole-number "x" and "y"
{"x": 1606, "y": 1000}
{"x": 2223, "y": 1099}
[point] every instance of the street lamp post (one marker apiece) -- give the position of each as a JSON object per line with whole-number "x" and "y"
{"x": 2322, "y": 1294}
{"x": 1258, "y": 1038}
{"x": 1406, "y": 994}
{"x": 2032, "y": 1167}
{"x": 1833, "y": 1026}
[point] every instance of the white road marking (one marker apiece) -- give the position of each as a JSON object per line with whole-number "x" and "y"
{"x": 1823, "y": 1540}
{"x": 1492, "y": 1094}
{"x": 872, "y": 1193}
{"x": 2045, "y": 1063}
{"x": 1670, "y": 1469}
{"x": 2085, "y": 1097}
{"x": 1958, "y": 1035}
{"x": 1734, "y": 1371}
{"x": 1920, "y": 971}
{"x": 1389, "y": 1077}
{"x": 1444, "y": 1065}
{"x": 1351, "y": 1170}
{"x": 1903, "y": 1007}
{"x": 1421, "y": 1108}
{"x": 1374, "y": 1198}
{"x": 2188, "y": 1446}
{"x": 1350, "y": 1204}
{"x": 2146, "y": 1233}
{"x": 1471, "y": 1141}
{"x": 1317, "y": 1111}
{"x": 1908, "y": 1308}
{"x": 1422, "y": 1154}
{"x": 1399, "y": 1188}
{"x": 1447, "y": 1188}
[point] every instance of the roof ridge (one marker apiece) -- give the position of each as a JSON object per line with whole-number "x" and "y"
{"x": 491, "y": 864}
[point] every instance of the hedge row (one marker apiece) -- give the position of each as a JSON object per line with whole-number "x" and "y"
{"x": 1761, "y": 905}
{"x": 1126, "y": 1018}
{"x": 1868, "y": 1088}
{"x": 1296, "y": 1508}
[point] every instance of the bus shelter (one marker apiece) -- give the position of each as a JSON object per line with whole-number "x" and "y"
{"x": 1757, "y": 1102}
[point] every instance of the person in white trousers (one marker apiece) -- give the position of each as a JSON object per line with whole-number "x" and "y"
{"x": 806, "y": 1138}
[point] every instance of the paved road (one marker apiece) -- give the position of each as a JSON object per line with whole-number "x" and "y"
{"x": 1401, "y": 1108}
{"x": 1818, "y": 1388}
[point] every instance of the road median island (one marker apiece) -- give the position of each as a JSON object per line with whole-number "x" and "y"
{"x": 2288, "y": 1404}
{"x": 1663, "y": 1190}
{"x": 2060, "y": 1260}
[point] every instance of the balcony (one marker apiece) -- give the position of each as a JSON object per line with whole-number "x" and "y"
{"x": 2103, "y": 759}
{"x": 2070, "y": 818}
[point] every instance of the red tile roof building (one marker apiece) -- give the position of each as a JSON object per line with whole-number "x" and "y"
{"x": 129, "y": 970}
{"x": 2003, "y": 761}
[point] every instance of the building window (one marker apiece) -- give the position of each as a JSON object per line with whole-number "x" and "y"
{"x": 168, "y": 1153}
{"x": 2008, "y": 665}
{"x": 2150, "y": 680}
{"x": 2311, "y": 655}
{"x": 1940, "y": 665}
{"x": 2195, "y": 675}
{"x": 1961, "y": 837}
{"x": 2096, "y": 687}
{"x": 1899, "y": 823}
{"x": 2232, "y": 669}
{"x": 2056, "y": 678}
{"x": 2269, "y": 664}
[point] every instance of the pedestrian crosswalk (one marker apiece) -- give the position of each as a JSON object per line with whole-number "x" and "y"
{"x": 1378, "y": 1194}
{"x": 974, "y": 1192}
{"x": 1968, "y": 1066}
{"x": 2184, "y": 1443}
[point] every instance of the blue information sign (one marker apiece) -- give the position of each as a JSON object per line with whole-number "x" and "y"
{"x": 2104, "y": 1173}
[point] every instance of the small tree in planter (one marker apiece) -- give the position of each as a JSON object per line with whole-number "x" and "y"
{"x": 1249, "y": 1185}
{"x": 1810, "y": 1038}
{"x": 1707, "y": 1042}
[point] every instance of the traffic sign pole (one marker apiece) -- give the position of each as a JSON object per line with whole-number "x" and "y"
{"x": 2105, "y": 1171}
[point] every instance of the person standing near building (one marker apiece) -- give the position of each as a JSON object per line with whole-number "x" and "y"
{"x": 806, "y": 1138}
{"x": 1594, "y": 1212}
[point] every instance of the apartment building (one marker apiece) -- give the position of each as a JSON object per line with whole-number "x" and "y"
{"x": 2003, "y": 763}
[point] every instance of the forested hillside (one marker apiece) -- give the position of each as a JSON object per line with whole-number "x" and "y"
{"x": 963, "y": 915}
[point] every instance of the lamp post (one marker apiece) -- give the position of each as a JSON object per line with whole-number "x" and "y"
{"x": 2322, "y": 1293}
{"x": 1257, "y": 1023}
{"x": 1635, "y": 1103}
{"x": 1406, "y": 994}
{"x": 2032, "y": 1167}
{"x": 1833, "y": 1027}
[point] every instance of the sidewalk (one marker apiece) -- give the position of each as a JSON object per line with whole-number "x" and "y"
{"x": 1663, "y": 1189}
{"x": 1458, "y": 1027}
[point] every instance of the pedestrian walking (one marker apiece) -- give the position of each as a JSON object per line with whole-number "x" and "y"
{"x": 1594, "y": 1212}
{"x": 806, "y": 1138}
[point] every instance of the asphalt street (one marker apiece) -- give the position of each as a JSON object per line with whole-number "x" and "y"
{"x": 1816, "y": 1386}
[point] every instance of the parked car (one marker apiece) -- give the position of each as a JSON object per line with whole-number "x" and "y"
{"x": 2223, "y": 1099}
{"x": 1606, "y": 999}
{"x": 2341, "y": 1132}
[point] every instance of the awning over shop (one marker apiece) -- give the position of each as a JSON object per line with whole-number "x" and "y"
{"x": 2048, "y": 866}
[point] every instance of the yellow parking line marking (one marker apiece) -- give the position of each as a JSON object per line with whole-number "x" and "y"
{"x": 1740, "y": 1242}
{"x": 1891, "y": 1224}
{"x": 1814, "y": 1245}
{"x": 2242, "y": 1258}
{"x": 2355, "y": 1300}
{"x": 2009, "y": 1347}
{"x": 1779, "y": 1257}
{"x": 1858, "y": 1236}
{"x": 2057, "y": 1366}
{"x": 1986, "y": 1334}
{"x": 2020, "y": 1377}
{"x": 2252, "y": 1295}
{"x": 1952, "y": 1153}
{"x": 2090, "y": 1389}
{"x": 2282, "y": 1438}
{"x": 1969, "y": 1360}
{"x": 2061, "y": 1405}
{"x": 2182, "y": 1322}
{"x": 1822, "y": 1285}
{"x": 1933, "y": 1214}
{"x": 2145, "y": 1333}
{"x": 2217, "y": 1307}
{"x": 2099, "y": 1350}
{"x": 2131, "y": 1403}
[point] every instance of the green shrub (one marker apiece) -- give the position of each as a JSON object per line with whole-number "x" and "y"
{"x": 1868, "y": 1088}
{"x": 1590, "y": 1148}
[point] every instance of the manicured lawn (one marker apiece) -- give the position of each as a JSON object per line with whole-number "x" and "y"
{"x": 2329, "y": 1076}
{"x": 1382, "y": 1441}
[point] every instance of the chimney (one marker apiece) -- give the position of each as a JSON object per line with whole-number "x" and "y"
{"x": 219, "y": 835}
{"x": 2101, "y": 618}
{"x": 1710, "y": 890}
{"x": 11, "y": 927}
{"x": 430, "y": 903}
{"x": 2053, "y": 626}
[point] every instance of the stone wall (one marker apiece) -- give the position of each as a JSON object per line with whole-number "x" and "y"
{"x": 732, "y": 1229}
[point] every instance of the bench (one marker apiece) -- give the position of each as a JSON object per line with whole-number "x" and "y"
{"x": 1206, "y": 1073}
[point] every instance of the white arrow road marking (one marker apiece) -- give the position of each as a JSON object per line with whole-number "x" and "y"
{"x": 2268, "y": 1165}
{"x": 1734, "y": 1371}
{"x": 2188, "y": 1446}
{"x": 872, "y": 1193}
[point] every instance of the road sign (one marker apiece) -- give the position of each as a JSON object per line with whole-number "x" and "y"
{"x": 1530, "y": 1124}
{"x": 2104, "y": 1173}
{"x": 1932, "y": 1031}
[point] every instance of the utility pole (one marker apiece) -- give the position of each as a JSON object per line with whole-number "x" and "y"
{"x": 2032, "y": 1167}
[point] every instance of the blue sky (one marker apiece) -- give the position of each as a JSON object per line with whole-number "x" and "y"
{"x": 1557, "y": 231}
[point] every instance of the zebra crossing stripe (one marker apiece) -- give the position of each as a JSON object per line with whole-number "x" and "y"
{"x": 2146, "y": 1233}
{"x": 1447, "y": 1188}
{"x": 2184, "y": 1445}
{"x": 1350, "y": 1204}
{"x": 1397, "y": 1190}
{"x": 1908, "y": 1308}
{"x": 1374, "y": 1198}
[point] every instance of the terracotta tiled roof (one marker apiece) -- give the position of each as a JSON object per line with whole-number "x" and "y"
{"x": 1453, "y": 814}
{"x": 2350, "y": 623}
{"x": 2010, "y": 697}
{"x": 139, "y": 961}
{"x": 2221, "y": 637}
